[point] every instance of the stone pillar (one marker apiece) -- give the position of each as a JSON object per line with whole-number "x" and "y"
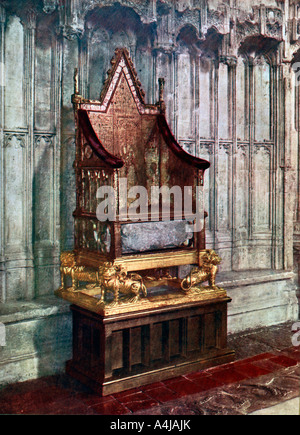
{"x": 231, "y": 62}
{"x": 38, "y": 333}
{"x": 297, "y": 255}
{"x": 297, "y": 206}
{"x": 72, "y": 22}
{"x": 46, "y": 163}
{"x": 2, "y": 71}
{"x": 16, "y": 155}
{"x": 70, "y": 60}
{"x": 29, "y": 78}
{"x": 289, "y": 162}
{"x": 163, "y": 67}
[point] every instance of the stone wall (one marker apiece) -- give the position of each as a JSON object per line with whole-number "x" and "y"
{"x": 232, "y": 98}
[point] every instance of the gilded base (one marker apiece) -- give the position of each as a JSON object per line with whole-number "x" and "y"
{"x": 111, "y": 289}
{"x": 89, "y": 299}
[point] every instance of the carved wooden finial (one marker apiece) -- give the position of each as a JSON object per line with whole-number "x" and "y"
{"x": 76, "y": 82}
{"x": 161, "y": 82}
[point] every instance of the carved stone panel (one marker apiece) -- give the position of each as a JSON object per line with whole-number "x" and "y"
{"x": 262, "y": 101}
{"x": 224, "y": 188}
{"x": 43, "y": 189}
{"x": 242, "y": 191}
{"x": 223, "y": 102}
{"x": 262, "y": 188}
{"x": 242, "y": 101}
{"x": 45, "y": 55}
{"x": 206, "y": 103}
{"x": 206, "y": 151}
{"x": 184, "y": 96}
{"x": 14, "y": 74}
{"x": 14, "y": 193}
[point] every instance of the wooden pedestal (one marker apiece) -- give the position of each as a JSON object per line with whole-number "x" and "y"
{"x": 119, "y": 352}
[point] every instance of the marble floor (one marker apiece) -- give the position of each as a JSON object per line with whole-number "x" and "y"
{"x": 264, "y": 379}
{"x": 289, "y": 407}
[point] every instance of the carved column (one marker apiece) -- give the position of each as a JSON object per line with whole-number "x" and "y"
{"x": 2, "y": 71}
{"x": 70, "y": 61}
{"x": 29, "y": 23}
{"x": 297, "y": 206}
{"x": 72, "y": 22}
{"x": 251, "y": 144}
{"x": 84, "y": 62}
{"x": 231, "y": 62}
{"x": 56, "y": 227}
{"x": 215, "y": 136}
{"x": 163, "y": 66}
{"x": 289, "y": 161}
{"x": 164, "y": 62}
{"x": 278, "y": 173}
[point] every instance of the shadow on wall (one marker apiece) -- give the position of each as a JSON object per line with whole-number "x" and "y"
{"x": 53, "y": 343}
{"x": 51, "y": 332}
{"x": 45, "y": 213}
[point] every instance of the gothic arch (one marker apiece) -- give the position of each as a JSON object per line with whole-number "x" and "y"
{"x": 187, "y": 38}
{"x": 258, "y": 46}
{"x": 111, "y": 26}
{"x": 208, "y": 46}
{"x": 183, "y": 30}
{"x": 139, "y": 8}
{"x": 113, "y": 16}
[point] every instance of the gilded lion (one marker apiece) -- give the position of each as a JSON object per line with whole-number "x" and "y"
{"x": 116, "y": 280}
{"x": 68, "y": 266}
{"x": 207, "y": 272}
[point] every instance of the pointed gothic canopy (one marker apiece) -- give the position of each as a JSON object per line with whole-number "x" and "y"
{"x": 120, "y": 122}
